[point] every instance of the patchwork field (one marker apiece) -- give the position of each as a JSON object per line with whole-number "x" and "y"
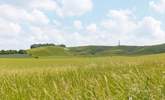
{"x": 83, "y": 78}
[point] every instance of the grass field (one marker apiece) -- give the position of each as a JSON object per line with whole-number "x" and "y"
{"x": 83, "y": 78}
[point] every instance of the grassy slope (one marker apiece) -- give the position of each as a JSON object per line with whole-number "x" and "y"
{"x": 118, "y": 50}
{"x": 104, "y": 50}
{"x": 85, "y": 78}
{"x": 48, "y": 51}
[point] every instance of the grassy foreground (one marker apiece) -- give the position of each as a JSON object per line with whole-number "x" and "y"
{"x": 99, "y": 78}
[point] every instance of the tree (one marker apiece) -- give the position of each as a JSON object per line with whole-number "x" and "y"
{"x": 62, "y": 45}
{"x": 41, "y": 45}
{"x": 22, "y": 52}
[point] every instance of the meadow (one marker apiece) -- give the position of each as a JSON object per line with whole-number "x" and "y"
{"x": 83, "y": 78}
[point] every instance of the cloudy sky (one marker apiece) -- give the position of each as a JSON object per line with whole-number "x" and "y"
{"x": 81, "y": 22}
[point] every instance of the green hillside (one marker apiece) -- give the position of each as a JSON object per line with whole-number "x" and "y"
{"x": 118, "y": 50}
{"x": 96, "y": 50}
{"x": 48, "y": 51}
{"x": 104, "y": 50}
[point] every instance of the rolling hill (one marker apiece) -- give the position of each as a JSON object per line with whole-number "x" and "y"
{"x": 103, "y": 50}
{"x": 96, "y": 50}
{"x": 48, "y": 51}
{"x": 118, "y": 50}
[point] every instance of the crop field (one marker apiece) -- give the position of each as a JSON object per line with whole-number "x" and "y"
{"x": 83, "y": 78}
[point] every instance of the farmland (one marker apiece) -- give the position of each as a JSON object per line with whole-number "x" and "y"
{"x": 82, "y": 50}
{"x": 83, "y": 78}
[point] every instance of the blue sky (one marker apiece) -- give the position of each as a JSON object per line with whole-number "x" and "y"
{"x": 81, "y": 22}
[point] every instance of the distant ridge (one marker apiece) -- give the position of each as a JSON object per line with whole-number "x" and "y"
{"x": 97, "y": 50}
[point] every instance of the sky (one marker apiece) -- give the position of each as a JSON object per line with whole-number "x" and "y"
{"x": 81, "y": 22}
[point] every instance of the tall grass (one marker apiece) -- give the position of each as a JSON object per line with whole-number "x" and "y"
{"x": 101, "y": 78}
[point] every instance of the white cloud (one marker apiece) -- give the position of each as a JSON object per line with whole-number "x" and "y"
{"x": 92, "y": 28}
{"x": 150, "y": 27}
{"x": 123, "y": 14}
{"x": 43, "y": 4}
{"x": 63, "y": 7}
{"x": 74, "y": 7}
{"x": 17, "y": 15}
{"x": 158, "y": 6}
{"x": 12, "y": 13}
{"x": 32, "y": 4}
{"x": 78, "y": 24}
{"x": 60, "y": 7}
{"x": 122, "y": 24}
{"x": 57, "y": 23}
{"x": 38, "y": 17}
{"x": 9, "y": 29}
{"x": 48, "y": 34}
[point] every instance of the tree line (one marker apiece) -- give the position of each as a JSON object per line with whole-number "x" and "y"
{"x": 3, "y": 52}
{"x": 46, "y": 44}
